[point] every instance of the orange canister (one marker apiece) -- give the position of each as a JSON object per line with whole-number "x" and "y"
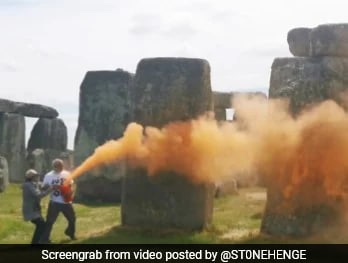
{"x": 67, "y": 192}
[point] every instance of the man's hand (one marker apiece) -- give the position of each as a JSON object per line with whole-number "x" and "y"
{"x": 45, "y": 187}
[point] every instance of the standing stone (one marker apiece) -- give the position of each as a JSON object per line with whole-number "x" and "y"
{"x": 305, "y": 81}
{"x": 329, "y": 40}
{"x": 27, "y": 109}
{"x": 308, "y": 80}
{"x": 298, "y": 216}
{"x": 171, "y": 89}
{"x": 222, "y": 101}
{"x": 41, "y": 160}
{"x": 299, "y": 43}
{"x": 48, "y": 134}
{"x": 220, "y": 114}
{"x": 12, "y": 144}
{"x": 166, "y": 200}
{"x": 324, "y": 40}
{"x": 68, "y": 159}
{"x": 104, "y": 115}
{"x": 3, "y": 174}
{"x": 48, "y": 141}
{"x": 36, "y": 160}
{"x": 165, "y": 90}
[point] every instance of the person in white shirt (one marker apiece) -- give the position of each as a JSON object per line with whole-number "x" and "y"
{"x": 58, "y": 203}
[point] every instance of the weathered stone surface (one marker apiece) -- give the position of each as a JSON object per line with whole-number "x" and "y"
{"x": 41, "y": 159}
{"x": 169, "y": 89}
{"x": 308, "y": 208}
{"x": 104, "y": 115}
{"x": 329, "y": 40}
{"x": 166, "y": 201}
{"x": 7, "y": 105}
{"x": 220, "y": 114}
{"x": 104, "y": 110}
{"x": 299, "y": 42}
{"x": 165, "y": 90}
{"x": 68, "y": 159}
{"x": 323, "y": 40}
{"x": 48, "y": 134}
{"x": 27, "y": 109}
{"x": 293, "y": 216}
{"x": 36, "y": 160}
{"x": 4, "y": 180}
{"x": 102, "y": 185}
{"x": 250, "y": 94}
{"x": 12, "y": 144}
{"x": 222, "y": 100}
{"x": 308, "y": 80}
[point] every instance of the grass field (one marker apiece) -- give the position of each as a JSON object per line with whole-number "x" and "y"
{"x": 236, "y": 219}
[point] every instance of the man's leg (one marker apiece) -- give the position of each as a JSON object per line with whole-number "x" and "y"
{"x": 39, "y": 228}
{"x": 69, "y": 213}
{"x": 52, "y": 214}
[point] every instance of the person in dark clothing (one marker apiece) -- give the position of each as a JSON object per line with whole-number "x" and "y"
{"x": 60, "y": 201}
{"x": 31, "y": 208}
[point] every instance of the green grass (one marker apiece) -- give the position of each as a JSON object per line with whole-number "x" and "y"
{"x": 236, "y": 219}
{"x": 91, "y": 220}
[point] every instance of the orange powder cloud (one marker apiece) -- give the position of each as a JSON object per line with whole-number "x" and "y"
{"x": 287, "y": 152}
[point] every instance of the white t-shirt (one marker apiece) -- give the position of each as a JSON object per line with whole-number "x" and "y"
{"x": 54, "y": 178}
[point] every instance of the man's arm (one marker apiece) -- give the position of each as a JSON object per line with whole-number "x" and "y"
{"x": 36, "y": 192}
{"x": 46, "y": 183}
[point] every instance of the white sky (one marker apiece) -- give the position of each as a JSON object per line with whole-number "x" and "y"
{"x": 46, "y": 46}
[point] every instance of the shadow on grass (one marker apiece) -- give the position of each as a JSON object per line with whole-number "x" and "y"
{"x": 97, "y": 204}
{"x": 125, "y": 235}
{"x": 266, "y": 239}
{"x": 326, "y": 237}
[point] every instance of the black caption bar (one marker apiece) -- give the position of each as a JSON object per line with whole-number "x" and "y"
{"x": 174, "y": 253}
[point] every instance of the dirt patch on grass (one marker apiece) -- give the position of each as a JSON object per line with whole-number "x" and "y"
{"x": 257, "y": 196}
{"x": 239, "y": 234}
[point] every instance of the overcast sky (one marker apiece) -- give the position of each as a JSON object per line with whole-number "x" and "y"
{"x": 46, "y": 46}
